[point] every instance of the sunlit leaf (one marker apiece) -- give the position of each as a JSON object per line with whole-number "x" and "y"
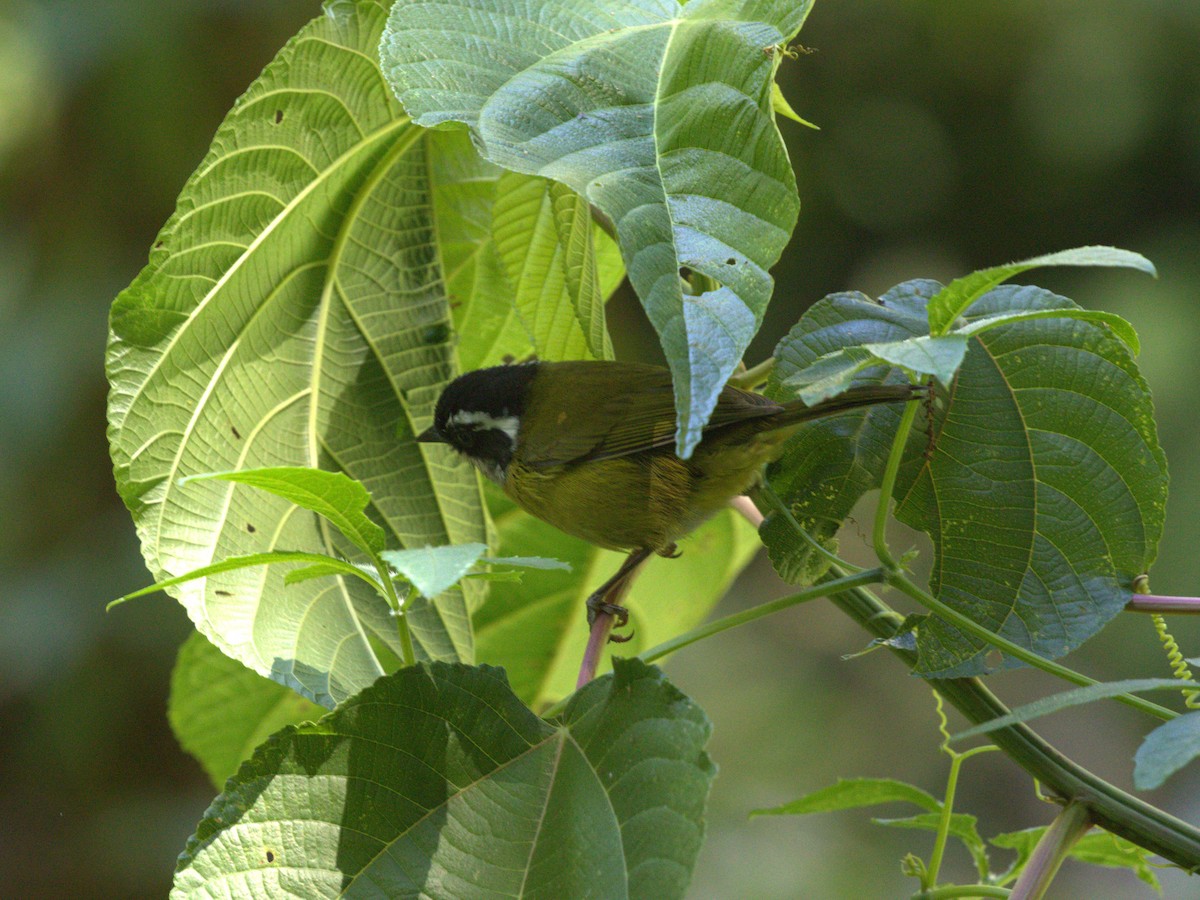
{"x": 220, "y": 710}
{"x": 658, "y": 115}
{"x": 293, "y": 314}
{"x": 956, "y": 297}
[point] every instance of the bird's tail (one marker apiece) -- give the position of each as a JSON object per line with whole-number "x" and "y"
{"x": 796, "y": 411}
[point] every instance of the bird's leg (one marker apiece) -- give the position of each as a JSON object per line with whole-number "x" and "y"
{"x": 606, "y": 599}
{"x": 603, "y": 609}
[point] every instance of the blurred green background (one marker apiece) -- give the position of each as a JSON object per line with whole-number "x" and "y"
{"x": 954, "y": 136}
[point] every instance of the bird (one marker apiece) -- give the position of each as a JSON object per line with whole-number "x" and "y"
{"x": 589, "y": 447}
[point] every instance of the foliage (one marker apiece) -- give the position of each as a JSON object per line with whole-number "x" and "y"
{"x": 333, "y": 262}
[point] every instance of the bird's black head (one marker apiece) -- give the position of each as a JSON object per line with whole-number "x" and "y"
{"x": 479, "y": 415}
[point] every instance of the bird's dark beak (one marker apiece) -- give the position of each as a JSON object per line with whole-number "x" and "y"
{"x": 430, "y": 436}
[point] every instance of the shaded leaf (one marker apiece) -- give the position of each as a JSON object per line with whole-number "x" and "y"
{"x": 293, "y": 314}
{"x": 1048, "y": 419}
{"x": 853, "y": 793}
{"x": 437, "y": 781}
{"x": 659, "y": 115}
{"x": 1166, "y": 750}
{"x": 220, "y": 710}
{"x": 1052, "y": 423}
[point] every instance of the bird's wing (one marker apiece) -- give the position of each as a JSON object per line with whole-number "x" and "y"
{"x": 616, "y": 413}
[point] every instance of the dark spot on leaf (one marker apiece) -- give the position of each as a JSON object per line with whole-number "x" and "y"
{"x": 436, "y": 334}
{"x": 278, "y": 116}
{"x": 270, "y": 856}
{"x": 237, "y": 434}
{"x": 223, "y": 593}
{"x": 685, "y": 273}
{"x": 250, "y": 528}
{"x": 158, "y": 245}
{"x": 731, "y": 261}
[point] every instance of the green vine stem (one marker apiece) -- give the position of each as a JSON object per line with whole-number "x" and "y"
{"x": 1109, "y": 807}
{"x": 1179, "y": 666}
{"x": 954, "y": 891}
{"x": 1069, "y": 825}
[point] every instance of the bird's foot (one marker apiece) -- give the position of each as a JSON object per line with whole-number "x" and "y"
{"x": 597, "y": 606}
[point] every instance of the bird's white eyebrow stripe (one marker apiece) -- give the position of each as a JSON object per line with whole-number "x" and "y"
{"x": 508, "y": 424}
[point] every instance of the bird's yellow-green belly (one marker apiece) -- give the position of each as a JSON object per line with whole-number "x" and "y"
{"x": 644, "y": 500}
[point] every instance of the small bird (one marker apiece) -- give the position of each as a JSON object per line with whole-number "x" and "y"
{"x": 590, "y": 448}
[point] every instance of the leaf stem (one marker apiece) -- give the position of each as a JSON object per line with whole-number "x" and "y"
{"x": 408, "y": 654}
{"x": 754, "y": 376}
{"x": 902, "y": 583}
{"x": 708, "y": 629}
{"x": 954, "y": 891}
{"x": 888, "y": 484}
{"x": 1068, "y": 826}
{"x": 1158, "y": 603}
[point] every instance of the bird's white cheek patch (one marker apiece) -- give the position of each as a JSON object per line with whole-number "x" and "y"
{"x": 510, "y": 425}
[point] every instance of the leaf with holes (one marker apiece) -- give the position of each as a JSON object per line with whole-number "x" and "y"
{"x": 1042, "y": 484}
{"x": 293, "y": 314}
{"x": 659, "y": 115}
{"x": 438, "y": 781}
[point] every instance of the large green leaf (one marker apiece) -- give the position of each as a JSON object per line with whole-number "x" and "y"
{"x": 220, "y": 710}
{"x": 658, "y": 114}
{"x": 537, "y": 629}
{"x": 293, "y": 314}
{"x": 1042, "y": 484}
{"x": 526, "y": 269}
{"x": 439, "y": 782}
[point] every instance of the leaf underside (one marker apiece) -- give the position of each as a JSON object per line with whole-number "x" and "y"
{"x": 659, "y": 115}
{"x": 293, "y": 313}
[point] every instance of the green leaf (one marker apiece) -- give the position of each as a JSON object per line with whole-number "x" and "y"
{"x": 293, "y": 314}
{"x": 962, "y": 826}
{"x": 1166, "y": 750}
{"x": 1051, "y": 422}
{"x": 658, "y": 115}
{"x": 1097, "y": 847}
{"x": 528, "y": 562}
{"x": 831, "y": 462}
{"x": 328, "y": 564}
{"x": 781, "y": 106}
{"x": 220, "y": 710}
{"x": 432, "y": 570}
{"x": 1076, "y": 697}
{"x": 1048, "y": 419}
{"x": 854, "y": 793}
{"x": 547, "y": 242}
{"x": 958, "y": 296}
{"x": 1119, "y": 327}
{"x": 333, "y": 495}
{"x": 437, "y": 781}
{"x": 538, "y": 629}
{"x": 834, "y": 373}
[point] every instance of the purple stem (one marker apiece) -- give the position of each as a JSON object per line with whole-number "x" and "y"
{"x": 1155, "y": 603}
